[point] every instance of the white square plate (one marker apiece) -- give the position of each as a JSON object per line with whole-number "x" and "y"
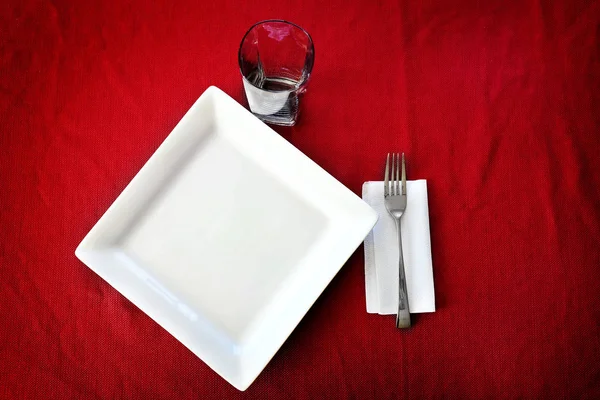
{"x": 227, "y": 236}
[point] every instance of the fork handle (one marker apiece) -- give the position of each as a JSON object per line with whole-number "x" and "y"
{"x": 403, "y": 316}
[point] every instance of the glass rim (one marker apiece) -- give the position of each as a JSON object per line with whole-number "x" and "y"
{"x": 310, "y": 42}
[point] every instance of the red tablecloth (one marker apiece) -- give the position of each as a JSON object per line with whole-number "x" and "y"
{"x": 497, "y": 105}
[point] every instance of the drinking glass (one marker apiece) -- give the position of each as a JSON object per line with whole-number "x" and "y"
{"x": 276, "y": 59}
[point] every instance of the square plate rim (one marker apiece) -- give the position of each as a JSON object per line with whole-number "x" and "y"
{"x": 214, "y": 95}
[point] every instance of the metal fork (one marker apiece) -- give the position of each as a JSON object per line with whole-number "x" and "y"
{"x": 394, "y": 192}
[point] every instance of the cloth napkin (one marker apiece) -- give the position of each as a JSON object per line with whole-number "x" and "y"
{"x": 381, "y": 252}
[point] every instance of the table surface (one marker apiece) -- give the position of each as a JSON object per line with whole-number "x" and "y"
{"x": 495, "y": 104}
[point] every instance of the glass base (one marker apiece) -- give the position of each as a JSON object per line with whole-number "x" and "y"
{"x": 275, "y": 120}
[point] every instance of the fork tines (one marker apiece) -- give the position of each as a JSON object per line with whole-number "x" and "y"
{"x": 396, "y": 184}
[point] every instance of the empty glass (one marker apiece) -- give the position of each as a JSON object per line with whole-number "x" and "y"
{"x": 276, "y": 58}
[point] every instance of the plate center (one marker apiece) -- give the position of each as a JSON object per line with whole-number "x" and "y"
{"x": 224, "y": 236}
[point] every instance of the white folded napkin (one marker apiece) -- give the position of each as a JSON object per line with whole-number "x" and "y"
{"x": 381, "y": 252}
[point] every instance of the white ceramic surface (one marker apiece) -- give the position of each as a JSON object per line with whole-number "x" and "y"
{"x": 227, "y": 236}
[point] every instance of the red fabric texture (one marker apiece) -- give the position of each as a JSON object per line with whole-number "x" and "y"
{"x": 495, "y": 103}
